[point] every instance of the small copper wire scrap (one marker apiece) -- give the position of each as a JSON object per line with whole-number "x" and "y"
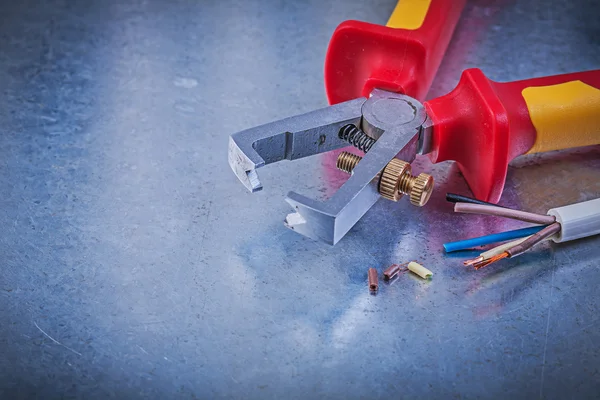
{"x": 393, "y": 270}
{"x": 373, "y": 280}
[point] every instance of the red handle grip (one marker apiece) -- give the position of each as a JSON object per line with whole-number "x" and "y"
{"x": 483, "y": 124}
{"x": 363, "y": 56}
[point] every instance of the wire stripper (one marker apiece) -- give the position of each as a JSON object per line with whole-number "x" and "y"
{"x": 376, "y": 78}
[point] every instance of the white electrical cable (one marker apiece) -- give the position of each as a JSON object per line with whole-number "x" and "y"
{"x": 577, "y": 220}
{"x": 574, "y": 221}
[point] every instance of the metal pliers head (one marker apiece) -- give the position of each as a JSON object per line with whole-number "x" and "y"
{"x": 386, "y": 126}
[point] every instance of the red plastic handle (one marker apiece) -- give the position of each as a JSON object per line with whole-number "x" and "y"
{"x": 483, "y": 124}
{"x": 363, "y": 56}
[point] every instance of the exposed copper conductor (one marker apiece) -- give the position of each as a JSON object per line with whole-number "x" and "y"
{"x": 373, "y": 280}
{"x": 473, "y": 261}
{"x": 490, "y": 260}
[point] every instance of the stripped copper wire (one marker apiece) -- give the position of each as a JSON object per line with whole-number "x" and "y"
{"x": 473, "y": 261}
{"x": 493, "y": 259}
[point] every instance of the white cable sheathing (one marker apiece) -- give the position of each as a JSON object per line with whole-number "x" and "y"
{"x": 577, "y": 220}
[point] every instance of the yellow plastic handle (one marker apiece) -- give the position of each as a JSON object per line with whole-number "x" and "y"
{"x": 409, "y": 14}
{"x": 564, "y": 115}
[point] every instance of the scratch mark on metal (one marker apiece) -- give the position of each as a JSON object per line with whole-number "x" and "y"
{"x": 515, "y": 309}
{"x": 366, "y": 252}
{"x": 54, "y": 340}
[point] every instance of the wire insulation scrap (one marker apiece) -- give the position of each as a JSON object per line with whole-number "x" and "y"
{"x": 373, "y": 280}
{"x": 394, "y": 270}
{"x": 420, "y": 270}
{"x": 391, "y": 271}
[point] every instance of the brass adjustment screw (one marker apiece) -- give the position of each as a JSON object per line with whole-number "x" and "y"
{"x": 395, "y": 180}
{"x": 347, "y": 161}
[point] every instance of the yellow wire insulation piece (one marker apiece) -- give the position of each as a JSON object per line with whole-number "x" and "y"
{"x": 420, "y": 270}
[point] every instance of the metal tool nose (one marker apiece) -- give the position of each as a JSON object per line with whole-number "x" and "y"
{"x": 393, "y": 125}
{"x": 290, "y": 139}
{"x": 396, "y": 122}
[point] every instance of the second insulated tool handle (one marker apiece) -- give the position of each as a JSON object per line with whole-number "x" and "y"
{"x": 401, "y": 57}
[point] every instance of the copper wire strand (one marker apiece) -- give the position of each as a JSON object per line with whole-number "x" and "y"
{"x": 522, "y": 247}
{"x": 504, "y": 212}
{"x": 489, "y": 261}
{"x": 473, "y": 261}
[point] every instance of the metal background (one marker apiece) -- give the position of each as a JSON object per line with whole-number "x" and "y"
{"x": 134, "y": 264}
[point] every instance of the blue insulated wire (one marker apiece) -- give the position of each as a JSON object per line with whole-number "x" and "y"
{"x": 493, "y": 238}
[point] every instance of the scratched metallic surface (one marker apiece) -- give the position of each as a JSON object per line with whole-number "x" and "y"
{"x": 134, "y": 264}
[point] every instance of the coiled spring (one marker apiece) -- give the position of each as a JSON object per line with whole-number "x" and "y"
{"x": 356, "y": 137}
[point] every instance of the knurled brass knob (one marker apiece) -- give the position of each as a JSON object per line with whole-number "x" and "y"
{"x": 392, "y": 174}
{"x": 421, "y": 189}
{"x": 396, "y": 179}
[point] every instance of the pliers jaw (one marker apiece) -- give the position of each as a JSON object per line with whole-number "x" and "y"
{"x": 290, "y": 139}
{"x": 397, "y": 123}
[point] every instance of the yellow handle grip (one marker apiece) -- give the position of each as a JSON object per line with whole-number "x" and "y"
{"x": 564, "y": 115}
{"x": 409, "y": 14}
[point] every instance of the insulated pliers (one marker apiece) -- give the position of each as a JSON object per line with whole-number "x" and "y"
{"x": 376, "y": 78}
